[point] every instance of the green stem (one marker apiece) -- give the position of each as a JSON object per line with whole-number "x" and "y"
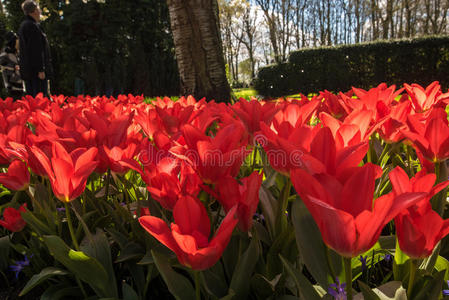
{"x": 197, "y": 285}
{"x": 108, "y": 179}
{"x": 283, "y": 205}
{"x": 440, "y": 198}
{"x": 331, "y": 266}
{"x": 370, "y": 151}
{"x": 33, "y": 199}
{"x": 80, "y": 284}
{"x": 385, "y": 151}
{"x": 348, "y": 275}
{"x": 411, "y": 278}
{"x": 410, "y": 158}
{"x": 253, "y": 158}
{"x": 69, "y": 222}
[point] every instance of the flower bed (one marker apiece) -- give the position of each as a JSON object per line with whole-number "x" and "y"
{"x": 323, "y": 197}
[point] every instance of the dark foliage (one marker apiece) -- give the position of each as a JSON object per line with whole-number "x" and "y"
{"x": 421, "y": 61}
{"x": 115, "y": 47}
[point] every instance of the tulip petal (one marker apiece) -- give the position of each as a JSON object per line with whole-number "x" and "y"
{"x": 159, "y": 230}
{"x": 336, "y": 226}
{"x": 190, "y": 215}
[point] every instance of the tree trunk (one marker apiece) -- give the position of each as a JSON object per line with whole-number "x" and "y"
{"x": 357, "y": 20}
{"x": 198, "y": 49}
{"x": 408, "y": 24}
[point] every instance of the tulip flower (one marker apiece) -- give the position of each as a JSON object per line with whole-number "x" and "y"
{"x": 68, "y": 172}
{"x": 12, "y": 220}
{"x": 173, "y": 118}
{"x": 117, "y": 154}
{"x": 253, "y": 112}
{"x": 332, "y": 105}
{"x": 370, "y": 100}
{"x": 245, "y": 196}
{"x": 418, "y": 228}
{"x": 391, "y": 129}
{"x": 17, "y": 178}
{"x": 355, "y": 129}
{"x": 110, "y": 133}
{"x": 424, "y": 99}
{"x": 148, "y": 120}
{"x": 170, "y": 179}
{"x": 286, "y": 145}
{"x": 430, "y": 135}
{"x": 296, "y": 113}
{"x": 218, "y": 157}
{"x": 188, "y": 236}
{"x": 348, "y": 220}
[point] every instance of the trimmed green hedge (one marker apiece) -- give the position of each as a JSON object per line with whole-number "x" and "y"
{"x": 421, "y": 61}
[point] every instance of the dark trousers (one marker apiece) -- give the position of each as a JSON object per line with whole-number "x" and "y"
{"x": 16, "y": 95}
{"x": 35, "y": 86}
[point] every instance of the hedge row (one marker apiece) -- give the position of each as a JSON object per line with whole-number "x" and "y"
{"x": 338, "y": 68}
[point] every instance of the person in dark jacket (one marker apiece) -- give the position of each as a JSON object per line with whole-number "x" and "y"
{"x": 9, "y": 65}
{"x": 34, "y": 54}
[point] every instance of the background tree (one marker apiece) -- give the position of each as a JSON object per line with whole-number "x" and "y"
{"x": 230, "y": 16}
{"x": 198, "y": 47}
{"x": 292, "y": 24}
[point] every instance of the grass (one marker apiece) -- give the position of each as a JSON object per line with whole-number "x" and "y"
{"x": 246, "y": 93}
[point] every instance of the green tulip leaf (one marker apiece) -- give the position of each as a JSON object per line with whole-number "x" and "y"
{"x": 442, "y": 264}
{"x": 400, "y": 267}
{"x": 368, "y": 293}
{"x": 5, "y": 246}
{"x": 86, "y": 268}
{"x": 41, "y": 277}
{"x": 305, "y": 288}
{"x": 61, "y": 291}
{"x": 97, "y": 246}
{"x": 178, "y": 285}
{"x": 311, "y": 246}
{"x": 432, "y": 288}
{"x": 263, "y": 287}
{"x": 269, "y": 206}
{"x": 35, "y": 223}
{"x": 214, "y": 281}
{"x": 129, "y": 293}
{"x": 244, "y": 269}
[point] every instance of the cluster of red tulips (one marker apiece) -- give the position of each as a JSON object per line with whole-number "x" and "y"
{"x": 357, "y": 160}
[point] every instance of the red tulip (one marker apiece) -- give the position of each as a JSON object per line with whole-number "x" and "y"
{"x": 110, "y": 133}
{"x": 17, "y": 178}
{"x": 189, "y": 235}
{"x": 296, "y": 113}
{"x": 117, "y": 154}
{"x": 331, "y": 104}
{"x": 430, "y": 135}
{"x": 355, "y": 129}
{"x": 391, "y": 129}
{"x": 68, "y": 172}
{"x": 369, "y": 100}
{"x": 12, "y": 220}
{"x": 418, "y": 228}
{"x": 38, "y": 160}
{"x": 170, "y": 179}
{"x": 345, "y": 214}
{"x": 251, "y": 113}
{"x": 424, "y": 99}
{"x": 217, "y": 157}
{"x": 328, "y": 156}
{"x": 148, "y": 119}
{"x": 173, "y": 118}
{"x": 245, "y": 196}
